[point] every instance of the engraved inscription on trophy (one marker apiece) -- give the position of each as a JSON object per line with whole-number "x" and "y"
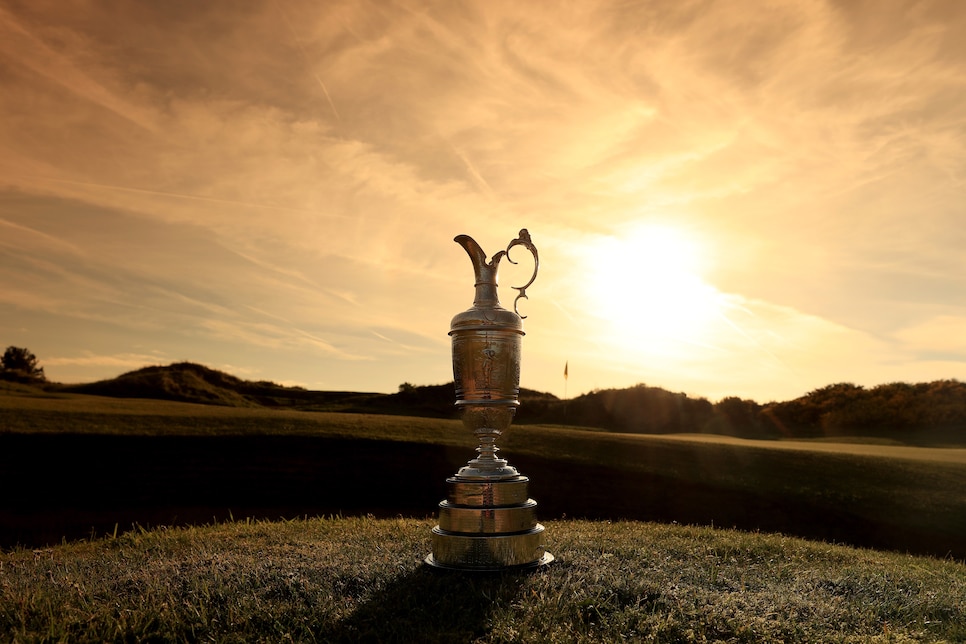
{"x": 487, "y": 521}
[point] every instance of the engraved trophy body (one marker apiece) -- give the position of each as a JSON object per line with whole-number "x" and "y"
{"x": 487, "y": 521}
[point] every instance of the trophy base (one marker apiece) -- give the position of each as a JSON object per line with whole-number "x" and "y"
{"x": 488, "y": 469}
{"x": 488, "y": 525}
{"x": 543, "y": 561}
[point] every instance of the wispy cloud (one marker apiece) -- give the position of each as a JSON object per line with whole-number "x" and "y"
{"x": 24, "y": 46}
{"x": 265, "y": 335}
{"x": 119, "y": 361}
{"x": 943, "y": 335}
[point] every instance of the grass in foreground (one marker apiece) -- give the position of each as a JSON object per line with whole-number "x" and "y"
{"x": 352, "y": 579}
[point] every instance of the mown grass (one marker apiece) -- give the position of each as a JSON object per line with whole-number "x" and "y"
{"x": 83, "y": 463}
{"x": 45, "y": 413}
{"x": 360, "y": 579}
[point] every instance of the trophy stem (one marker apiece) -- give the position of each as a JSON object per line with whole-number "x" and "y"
{"x": 487, "y": 450}
{"x": 487, "y": 466}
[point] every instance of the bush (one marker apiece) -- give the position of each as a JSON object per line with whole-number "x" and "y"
{"x": 20, "y": 365}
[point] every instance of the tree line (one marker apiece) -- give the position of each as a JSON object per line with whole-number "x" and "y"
{"x": 923, "y": 412}
{"x": 897, "y": 410}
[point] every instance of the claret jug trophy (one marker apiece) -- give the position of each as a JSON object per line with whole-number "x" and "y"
{"x": 487, "y": 521}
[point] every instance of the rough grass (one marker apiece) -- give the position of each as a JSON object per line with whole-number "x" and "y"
{"x": 360, "y": 579}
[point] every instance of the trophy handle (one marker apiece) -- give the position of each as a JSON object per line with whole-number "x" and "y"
{"x": 523, "y": 240}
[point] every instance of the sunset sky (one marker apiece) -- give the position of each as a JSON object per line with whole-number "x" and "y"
{"x": 729, "y": 198}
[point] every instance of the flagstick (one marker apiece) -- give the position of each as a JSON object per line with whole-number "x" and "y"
{"x": 566, "y": 379}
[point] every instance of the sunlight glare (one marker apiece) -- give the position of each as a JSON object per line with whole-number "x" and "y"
{"x": 647, "y": 285}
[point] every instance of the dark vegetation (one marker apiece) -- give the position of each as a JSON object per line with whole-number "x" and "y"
{"x": 914, "y": 414}
{"x": 931, "y": 413}
{"x": 20, "y": 365}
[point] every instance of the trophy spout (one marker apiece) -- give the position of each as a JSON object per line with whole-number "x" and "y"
{"x": 485, "y": 272}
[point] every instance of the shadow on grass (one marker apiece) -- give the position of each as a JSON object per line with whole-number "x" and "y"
{"x": 429, "y": 605}
{"x": 73, "y": 486}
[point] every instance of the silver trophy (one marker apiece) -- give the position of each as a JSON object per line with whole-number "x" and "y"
{"x": 488, "y": 522}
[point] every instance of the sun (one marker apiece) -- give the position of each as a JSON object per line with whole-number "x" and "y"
{"x": 647, "y": 289}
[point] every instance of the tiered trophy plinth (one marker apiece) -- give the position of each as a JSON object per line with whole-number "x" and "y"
{"x": 488, "y": 522}
{"x": 488, "y": 525}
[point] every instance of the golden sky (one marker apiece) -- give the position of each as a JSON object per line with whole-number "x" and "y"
{"x": 729, "y": 198}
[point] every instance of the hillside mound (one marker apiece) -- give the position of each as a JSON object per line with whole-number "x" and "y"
{"x": 183, "y": 381}
{"x": 195, "y": 383}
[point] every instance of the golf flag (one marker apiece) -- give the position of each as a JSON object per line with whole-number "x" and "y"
{"x": 566, "y": 365}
